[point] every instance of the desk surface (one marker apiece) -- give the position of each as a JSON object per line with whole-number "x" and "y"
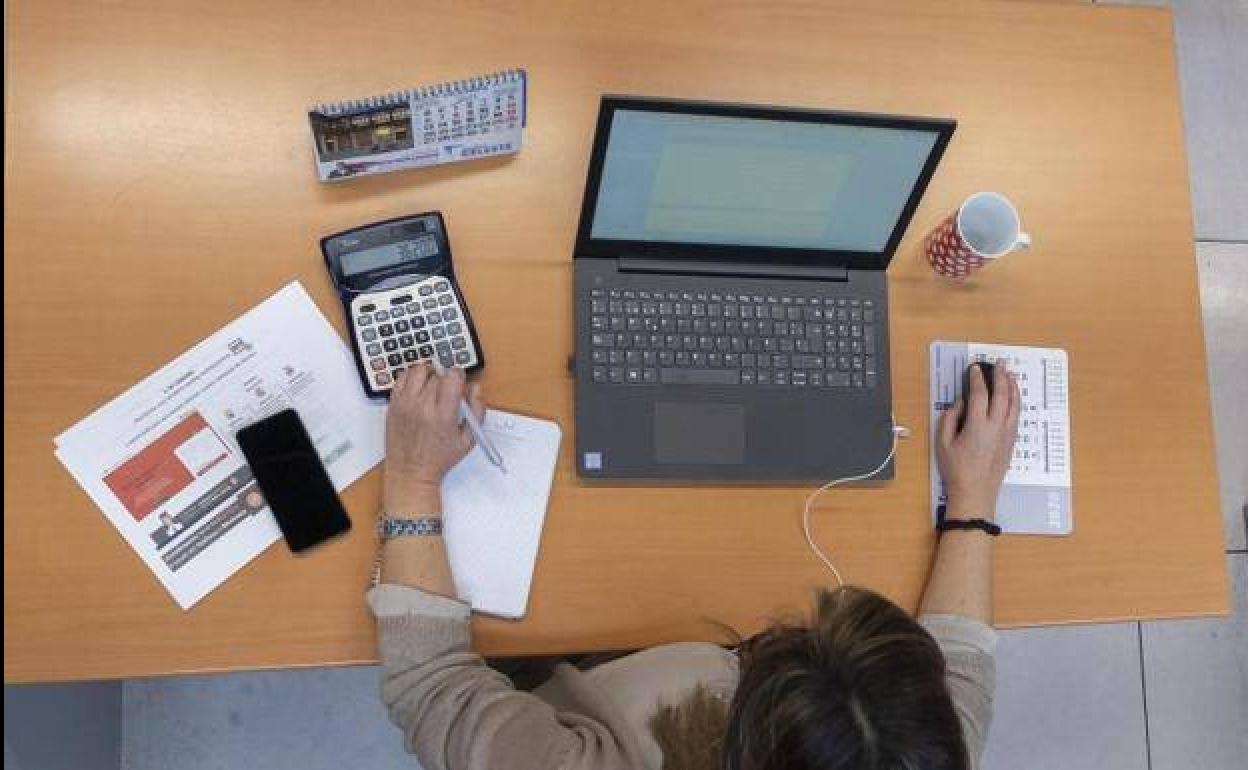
{"x": 159, "y": 182}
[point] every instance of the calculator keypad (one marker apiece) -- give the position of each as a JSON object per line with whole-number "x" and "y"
{"x": 402, "y": 327}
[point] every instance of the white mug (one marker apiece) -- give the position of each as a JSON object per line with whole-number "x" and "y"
{"x": 986, "y": 226}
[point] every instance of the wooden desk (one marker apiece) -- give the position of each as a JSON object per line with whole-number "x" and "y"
{"x": 159, "y": 183}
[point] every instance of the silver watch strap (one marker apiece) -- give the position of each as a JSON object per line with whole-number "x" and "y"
{"x": 426, "y": 526}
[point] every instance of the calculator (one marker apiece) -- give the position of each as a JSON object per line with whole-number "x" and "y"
{"x": 402, "y": 302}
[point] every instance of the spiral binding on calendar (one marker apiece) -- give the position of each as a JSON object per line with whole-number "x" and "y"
{"x": 436, "y": 90}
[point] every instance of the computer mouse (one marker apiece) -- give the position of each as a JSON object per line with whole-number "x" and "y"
{"x": 987, "y": 370}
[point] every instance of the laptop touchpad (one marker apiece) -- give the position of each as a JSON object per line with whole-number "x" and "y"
{"x": 699, "y": 433}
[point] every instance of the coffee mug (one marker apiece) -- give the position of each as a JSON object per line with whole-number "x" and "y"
{"x": 986, "y": 226}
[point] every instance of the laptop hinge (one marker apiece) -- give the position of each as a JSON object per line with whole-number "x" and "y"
{"x": 730, "y": 268}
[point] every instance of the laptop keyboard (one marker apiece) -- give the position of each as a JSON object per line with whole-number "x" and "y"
{"x": 695, "y": 337}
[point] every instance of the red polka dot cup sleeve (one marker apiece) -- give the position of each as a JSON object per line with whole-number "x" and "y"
{"x": 948, "y": 253}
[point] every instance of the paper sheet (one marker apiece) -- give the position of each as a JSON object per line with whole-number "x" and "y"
{"x": 161, "y": 461}
{"x": 493, "y": 519}
{"x": 1036, "y": 496}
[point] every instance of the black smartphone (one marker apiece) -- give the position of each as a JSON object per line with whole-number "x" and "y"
{"x": 293, "y": 480}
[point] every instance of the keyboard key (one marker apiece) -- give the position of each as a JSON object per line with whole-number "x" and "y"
{"x": 780, "y": 377}
{"x": 445, "y": 299}
{"x": 373, "y": 349}
{"x": 406, "y": 340}
{"x": 395, "y": 359}
{"x": 381, "y": 315}
{"x": 386, "y": 330}
{"x": 422, "y": 336}
{"x": 442, "y": 285}
{"x": 429, "y": 303}
{"x": 370, "y": 307}
{"x": 763, "y": 377}
{"x": 615, "y": 374}
{"x": 425, "y": 290}
{"x": 450, "y": 314}
{"x": 410, "y": 356}
{"x": 377, "y": 364}
{"x": 747, "y": 377}
{"x": 417, "y": 322}
{"x": 439, "y": 333}
{"x": 426, "y": 351}
{"x": 599, "y": 374}
{"x": 364, "y": 320}
{"x": 382, "y": 378}
{"x": 397, "y": 312}
{"x": 837, "y": 379}
{"x": 401, "y": 326}
{"x": 368, "y": 334}
{"x": 699, "y": 376}
{"x": 390, "y": 345}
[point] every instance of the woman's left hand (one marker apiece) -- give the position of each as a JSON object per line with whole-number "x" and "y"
{"x": 424, "y": 435}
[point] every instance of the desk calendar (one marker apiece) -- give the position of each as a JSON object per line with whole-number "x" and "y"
{"x": 461, "y": 120}
{"x": 1036, "y": 496}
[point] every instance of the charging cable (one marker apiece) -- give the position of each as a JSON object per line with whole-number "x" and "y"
{"x": 898, "y": 431}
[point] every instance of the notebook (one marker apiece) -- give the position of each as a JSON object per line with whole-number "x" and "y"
{"x": 493, "y": 520}
{"x": 459, "y": 120}
{"x": 1036, "y": 496}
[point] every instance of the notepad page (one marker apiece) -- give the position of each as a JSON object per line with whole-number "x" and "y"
{"x": 493, "y": 520}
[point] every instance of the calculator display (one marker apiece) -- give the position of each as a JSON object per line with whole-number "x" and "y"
{"x": 389, "y": 255}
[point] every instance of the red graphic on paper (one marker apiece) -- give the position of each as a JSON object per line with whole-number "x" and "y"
{"x": 156, "y": 473}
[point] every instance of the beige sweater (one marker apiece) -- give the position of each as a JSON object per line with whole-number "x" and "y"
{"x": 456, "y": 713}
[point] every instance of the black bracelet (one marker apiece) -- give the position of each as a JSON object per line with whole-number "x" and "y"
{"x": 944, "y": 525}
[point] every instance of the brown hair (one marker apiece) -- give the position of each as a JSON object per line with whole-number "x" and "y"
{"x": 861, "y": 686}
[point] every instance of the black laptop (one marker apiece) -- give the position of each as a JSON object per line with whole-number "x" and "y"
{"x": 731, "y": 298}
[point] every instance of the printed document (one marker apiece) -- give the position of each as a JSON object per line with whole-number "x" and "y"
{"x": 161, "y": 461}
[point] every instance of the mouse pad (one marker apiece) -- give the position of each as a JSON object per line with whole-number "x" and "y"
{"x": 699, "y": 433}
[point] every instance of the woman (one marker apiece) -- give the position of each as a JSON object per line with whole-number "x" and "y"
{"x": 861, "y": 686}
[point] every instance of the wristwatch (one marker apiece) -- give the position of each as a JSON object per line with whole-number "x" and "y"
{"x": 425, "y": 526}
{"x": 389, "y": 528}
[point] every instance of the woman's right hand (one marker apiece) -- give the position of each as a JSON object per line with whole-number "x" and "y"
{"x": 973, "y": 461}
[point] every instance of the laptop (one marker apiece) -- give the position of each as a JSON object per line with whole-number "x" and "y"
{"x": 731, "y": 302}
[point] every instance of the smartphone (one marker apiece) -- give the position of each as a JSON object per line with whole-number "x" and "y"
{"x": 293, "y": 480}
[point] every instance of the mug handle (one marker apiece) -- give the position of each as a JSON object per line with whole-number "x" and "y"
{"x": 1023, "y": 241}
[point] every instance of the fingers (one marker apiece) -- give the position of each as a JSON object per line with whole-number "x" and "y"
{"x": 1002, "y": 393}
{"x": 450, "y": 391}
{"x": 977, "y": 401}
{"x": 475, "y": 402}
{"x": 410, "y": 385}
{"x": 947, "y": 427}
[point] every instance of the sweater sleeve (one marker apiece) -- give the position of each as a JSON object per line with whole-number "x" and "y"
{"x": 970, "y": 673}
{"x": 456, "y": 713}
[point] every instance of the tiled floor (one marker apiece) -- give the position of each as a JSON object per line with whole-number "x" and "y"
{"x": 1135, "y": 696}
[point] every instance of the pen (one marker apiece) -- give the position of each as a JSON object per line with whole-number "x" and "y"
{"x": 465, "y": 412}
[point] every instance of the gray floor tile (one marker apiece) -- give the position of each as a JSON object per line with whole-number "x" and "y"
{"x": 310, "y": 719}
{"x": 1068, "y": 698}
{"x": 1212, "y": 40}
{"x": 1224, "y": 300}
{"x": 1196, "y": 672}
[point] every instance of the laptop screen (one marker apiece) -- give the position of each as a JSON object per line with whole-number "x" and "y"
{"x": 670, "y": 177}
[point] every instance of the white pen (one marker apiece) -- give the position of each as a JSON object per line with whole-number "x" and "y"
{"x": 465, "y": 412}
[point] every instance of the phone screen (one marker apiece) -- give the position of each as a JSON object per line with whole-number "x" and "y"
{"x": 293, "y": 480}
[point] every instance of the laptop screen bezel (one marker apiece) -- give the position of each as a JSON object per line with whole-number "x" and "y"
{"x": 588, "y": 246}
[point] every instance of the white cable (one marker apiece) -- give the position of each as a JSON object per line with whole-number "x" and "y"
{"x": 897, "y": 432}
